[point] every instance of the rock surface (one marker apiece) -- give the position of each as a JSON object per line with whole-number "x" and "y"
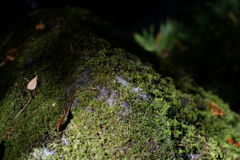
{"x": 136, "y": 112}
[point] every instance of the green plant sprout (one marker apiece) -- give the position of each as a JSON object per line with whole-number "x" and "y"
{"x": 164, "y": 41}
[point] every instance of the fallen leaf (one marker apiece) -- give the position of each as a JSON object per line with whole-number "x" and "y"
{"x": 11, "y": 54}
{"x": 40, "y": 26}
{"x": 32, "y": 84}
{"x": 215, "y": 109}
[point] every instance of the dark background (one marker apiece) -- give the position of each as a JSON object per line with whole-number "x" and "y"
{"x": 125, "y": 15}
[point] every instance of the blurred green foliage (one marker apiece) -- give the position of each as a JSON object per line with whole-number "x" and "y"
{"x": 205, "y": 43}
{"x": 163, "y": 41}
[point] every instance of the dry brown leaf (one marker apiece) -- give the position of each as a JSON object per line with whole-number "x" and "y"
{"x": 40, "y": 26}
{"x": 32, "y": 84}
{"x": 215, "y": 109}
{"x": 11, "y": 54}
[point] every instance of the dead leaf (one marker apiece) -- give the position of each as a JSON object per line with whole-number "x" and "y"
{"x": 32, "y": 84}
{"x": 11, "y": 54}
{"x": 40, "y": 26}
{"x": 215, "y": 109}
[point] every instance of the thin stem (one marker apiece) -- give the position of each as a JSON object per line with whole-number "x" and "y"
{"x": 6, "y": 40}
{"x": 26, "y": 104}
{"x": 3, "y": 63}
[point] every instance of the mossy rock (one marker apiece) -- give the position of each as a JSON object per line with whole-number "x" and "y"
{"x": 136, "y": 112}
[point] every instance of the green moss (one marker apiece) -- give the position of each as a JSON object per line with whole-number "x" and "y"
{"x": 137, "y": 112}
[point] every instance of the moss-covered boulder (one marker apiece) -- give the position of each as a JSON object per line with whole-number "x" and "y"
{"x": 127, "y": 108}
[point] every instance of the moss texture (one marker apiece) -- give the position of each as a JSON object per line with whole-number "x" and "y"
{"x": 140, "y": 110}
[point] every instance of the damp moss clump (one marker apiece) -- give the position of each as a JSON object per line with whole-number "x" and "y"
{"x": 135, "y": 112}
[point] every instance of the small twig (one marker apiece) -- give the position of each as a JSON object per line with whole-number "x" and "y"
{"x": 23, "y": 120}
{"x": 6, "y": 40}
{"x": 51, "y": 16}
{"x": 26, "y": 40}
{"x": 19, "y": 123}
{"x": 3, "y": 63}
{"x": 26, "y": 104}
